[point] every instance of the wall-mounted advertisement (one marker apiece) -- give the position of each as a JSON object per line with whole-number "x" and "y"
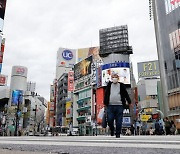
{"x": 171, "y": 5}
{"x": 17, "y": 97}
{"x": 121, "y": 68}
{"x": 83, "y": 68}
{"x": 148, "y": 69}
{"x": 86, "y": 52}
{"x": 66, "y": 57}
{"x": 2, "y": 13}
{"x": 71, "y": 81}
{"x": 3, "y": 80}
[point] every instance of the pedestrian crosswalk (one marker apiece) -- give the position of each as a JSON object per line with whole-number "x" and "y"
{"x": 163, "y": 142}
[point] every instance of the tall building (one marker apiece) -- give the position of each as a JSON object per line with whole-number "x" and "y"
{"x": 167, "y": 28}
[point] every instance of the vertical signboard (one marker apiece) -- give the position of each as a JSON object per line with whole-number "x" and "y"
{"x": 69, "y": 110}
{"x": 70, "y": 81}
{"x": 2, "y": 13}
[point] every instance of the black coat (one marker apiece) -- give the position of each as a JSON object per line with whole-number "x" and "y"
{"x": 124, "y": 94}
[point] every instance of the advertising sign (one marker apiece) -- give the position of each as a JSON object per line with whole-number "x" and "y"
{"x": 69, "y": 110}
{"x": 66, "y": 57}
{"x": 86, "y": 52}
{"x": 82, "y": 68}
{"x": 17, "y": 97}
{"x": 70, "y": 81}
{"x": 2, "y": 13}
{"x": 52, "y": 93}
{"x": 126, "y": 122}
{"x": 145, "y": 117}
{"x": 51, "y": 106}
{"x": 19, "y": 71}
{"x": 3, "y": 80}
{"x": 171, "y": 5}
{"x": 148, "y": 69}
{"x": 121, "y": 68}
{"x": 99, "y": 77}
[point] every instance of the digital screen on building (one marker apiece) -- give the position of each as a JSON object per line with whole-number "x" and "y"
{"x": 17, "y": 97}
{"x": 122, "y": 69}
{"x": 83, "y": 68}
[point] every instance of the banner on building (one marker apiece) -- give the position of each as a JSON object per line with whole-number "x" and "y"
{"x": 82, "y": 68}
{"x": 121, "y": 68}
{"x": 3, "y": 80}
{"x": 17, "y": 97}
{"x": 71, "y": 81}
{"x": 2, "y": 13}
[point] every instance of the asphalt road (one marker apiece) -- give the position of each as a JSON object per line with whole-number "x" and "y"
{"x": 90, "y": 145}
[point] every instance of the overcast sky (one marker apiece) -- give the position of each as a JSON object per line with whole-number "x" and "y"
{"x": 35, "y": 29}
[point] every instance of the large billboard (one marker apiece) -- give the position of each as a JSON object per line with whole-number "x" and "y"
{"x": 66, "y": 57}
{"x": 3, "y": 80}
{"x": 17, "y": 97}
{"x": 83, "y": 68}
{"x": 121, "y": 68}
{"x": 148, "y": 69}
{"x": 83, "y": 53}
{"x": 2, "y": 13}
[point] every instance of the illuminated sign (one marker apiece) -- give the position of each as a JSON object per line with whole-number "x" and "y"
{"x": 67, "y": 54}
{"x": 17, "y": 97}
{"x": 121, "y": 68}
{"x": 148, "y": 69}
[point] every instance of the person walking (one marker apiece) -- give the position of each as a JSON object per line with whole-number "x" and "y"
{"x": 115, "y": 101}
{"x": 167, "y": 126}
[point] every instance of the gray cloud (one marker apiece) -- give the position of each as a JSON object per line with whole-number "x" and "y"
{"x": 35, "y": 29}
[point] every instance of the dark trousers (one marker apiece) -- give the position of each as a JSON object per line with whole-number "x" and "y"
{"x": 115, "y": 112}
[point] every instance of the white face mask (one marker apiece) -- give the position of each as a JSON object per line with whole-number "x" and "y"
{"x": 114, "y": 80}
